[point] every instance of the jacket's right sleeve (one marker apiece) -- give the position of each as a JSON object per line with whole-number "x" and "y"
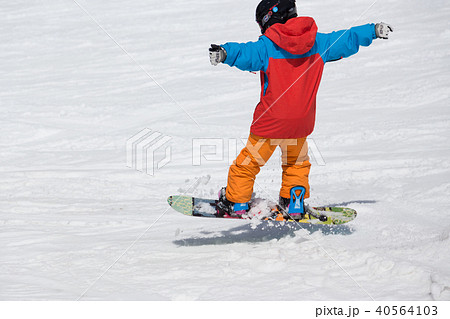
{"x": 251, "y": 56}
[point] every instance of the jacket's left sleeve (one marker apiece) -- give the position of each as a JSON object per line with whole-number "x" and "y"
{"x": 342, "y": 44}
{"x": 251, "y": 56}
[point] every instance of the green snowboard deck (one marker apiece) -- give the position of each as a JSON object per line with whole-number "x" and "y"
{"x": 200, "y": 207}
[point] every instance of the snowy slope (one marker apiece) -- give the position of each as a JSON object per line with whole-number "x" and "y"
{"x": 77, "y": 223}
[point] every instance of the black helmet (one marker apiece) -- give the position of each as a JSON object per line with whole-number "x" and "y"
{"x": 270, "y": 12}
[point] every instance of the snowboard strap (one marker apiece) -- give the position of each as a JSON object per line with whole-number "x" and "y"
{"x": 296, "y": 205}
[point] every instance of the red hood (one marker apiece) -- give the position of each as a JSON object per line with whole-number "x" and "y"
{"x": 296, "y": 36}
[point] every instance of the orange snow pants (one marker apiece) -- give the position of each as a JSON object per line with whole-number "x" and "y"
{"x": 295, "y": 165}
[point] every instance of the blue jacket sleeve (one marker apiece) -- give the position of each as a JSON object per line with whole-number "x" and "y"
{"x": 342, "y": 44}
{"x": 251, "y": 56}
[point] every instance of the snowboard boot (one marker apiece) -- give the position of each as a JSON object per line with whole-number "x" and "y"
{"x": 294, "y": 207}
{"x": 228, "y": 209}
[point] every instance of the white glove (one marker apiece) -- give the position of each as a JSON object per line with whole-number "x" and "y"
{"x": 217, "y": 54}
{"x": 382, "y": 30}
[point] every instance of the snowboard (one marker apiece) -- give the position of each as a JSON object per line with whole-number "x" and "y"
{"x": 263, "y": 210}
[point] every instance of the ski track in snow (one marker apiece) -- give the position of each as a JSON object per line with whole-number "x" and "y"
{"x": 69, "y": 207}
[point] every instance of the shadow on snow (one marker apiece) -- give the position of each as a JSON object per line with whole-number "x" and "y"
{"x": 263, "y": 232}
{"x": 345, "y": 204}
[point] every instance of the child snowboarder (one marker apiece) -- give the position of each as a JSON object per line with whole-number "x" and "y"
{"x": 290, "y": 56}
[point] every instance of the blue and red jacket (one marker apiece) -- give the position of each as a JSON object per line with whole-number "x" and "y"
{"x": 291, "y": 58}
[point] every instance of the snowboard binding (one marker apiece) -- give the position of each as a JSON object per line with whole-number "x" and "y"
{"x": 297, "y": 205}
{"x": 295, "y": 208}
{"x": 227, "y": 209}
